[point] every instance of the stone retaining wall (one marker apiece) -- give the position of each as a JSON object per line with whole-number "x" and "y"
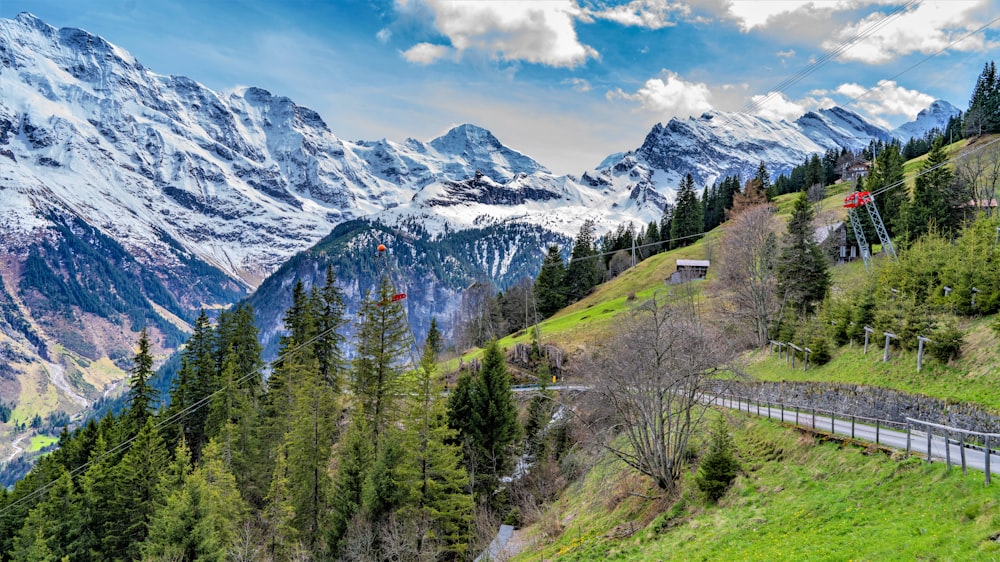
{"x": 870, "y": 402}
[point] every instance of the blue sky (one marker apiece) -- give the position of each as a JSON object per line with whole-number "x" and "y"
{"x": 565, "y": 81}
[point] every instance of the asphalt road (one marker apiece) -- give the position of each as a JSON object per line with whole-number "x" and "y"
{"x": 864, "y": 430}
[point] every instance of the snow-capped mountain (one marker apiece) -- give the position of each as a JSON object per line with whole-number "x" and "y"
{"x": 935, "y": 116}
{"x": 718, "y": 144}
{"x": 130, "y": 199}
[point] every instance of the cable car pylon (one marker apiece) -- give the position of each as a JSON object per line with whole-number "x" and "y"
{"x": 864, "y": 199}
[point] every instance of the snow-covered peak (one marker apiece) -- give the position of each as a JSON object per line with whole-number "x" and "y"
{"x": 934, "y": 116}
{"x": 483, "y": 150}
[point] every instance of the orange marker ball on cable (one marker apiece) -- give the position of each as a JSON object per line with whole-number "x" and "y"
{"x": 381, "y": 247}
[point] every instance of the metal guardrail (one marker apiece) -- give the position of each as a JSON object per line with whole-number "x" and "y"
{"x": 980, "y": 441}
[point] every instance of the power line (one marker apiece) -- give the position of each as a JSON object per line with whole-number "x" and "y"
{"x": 955, "y": 158}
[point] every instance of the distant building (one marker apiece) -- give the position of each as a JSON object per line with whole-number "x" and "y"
{"x": 855, "y": 170}
{"x": 689, "y": 270}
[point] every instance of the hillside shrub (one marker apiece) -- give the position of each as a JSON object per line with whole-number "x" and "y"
{"x": 948, "y": 339}
{"x": 719, "y": 467}
{"x": 820, "y": 347}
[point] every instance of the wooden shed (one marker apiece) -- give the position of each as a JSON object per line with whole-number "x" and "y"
{"x": 688, "y": 270}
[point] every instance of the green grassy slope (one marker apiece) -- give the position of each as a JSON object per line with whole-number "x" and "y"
{"x": 801, "y": 497}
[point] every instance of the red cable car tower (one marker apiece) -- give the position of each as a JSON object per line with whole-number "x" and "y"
{"x": 864, "y": 199}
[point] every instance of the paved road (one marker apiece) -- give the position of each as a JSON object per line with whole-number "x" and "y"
{"x": 497, "y": 545}
{"x": 975, "y": 458}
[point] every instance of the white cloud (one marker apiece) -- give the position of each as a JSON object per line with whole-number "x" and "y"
{"x": 578, "y": 84}
{"x": 426, "y": 53}
{"x": 885, "y": 99}
{"x": 670, "y": 96}
{"x": 785, "y": 54}
{"x": 751, "y": 14}
{"x": 537, "y": 32}
{"x": 651, "y": 14}
{"x": 927, "y": 28}
{"x": 775, "y": 105}
{"x": 384, "y": 35}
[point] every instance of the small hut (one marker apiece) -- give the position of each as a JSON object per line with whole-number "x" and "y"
{"x": 689, "y": 270}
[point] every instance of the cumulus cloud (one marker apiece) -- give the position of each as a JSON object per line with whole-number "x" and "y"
{"x": 537, "y": 32}
{"x": 426, "y": 53}
{"x": 384, "y": 35}
{"x": 775, "y": 105}
{"x": 670, "y": 96}
{"x": 887, "y": 98}
{"x": 751, "y": 14}
{"x": 651, "y": 14}
{"x": 926, "y": 28}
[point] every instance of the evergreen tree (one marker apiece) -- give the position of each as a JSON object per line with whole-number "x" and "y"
{"x": 142, "y": 396}
{"x": 201, "y": 519}
{"x": 687, "y": 221}
{"x": 383, "y": 345}
{"x": 432, "y": 478}
{"x": 934, "y": 202}
{"x": 494, "y": 427}
{"x": 887, "y": 171}
{"x": 666, "y": 221}
{"x": 137, "y": 488}
{"x": 582, "y": 275}
{"x": 98, "y": 489}
{"x": 53, "y": 525}
{"x": 330, "y": 341}
{"x": 355, "y": 455}
{"x": 309, "y": 445}
{"x": 803, "y": 275}
{"x": 763, "y": 181}
{"x": 719, "y": 467}
{"x": 983, "y": 116}
{"x": 550, "y": 287}
{"x": 279, "y": 512}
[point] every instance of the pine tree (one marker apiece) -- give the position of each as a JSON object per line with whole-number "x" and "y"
{"x": 983, "y": 116}
{"x": 355, "y": 455}
{"x": 719, "y": 467}
{"x": 137, "y": 488}
{"x": 888, "y": 170}
{"x": 142, "y": 396}
{"x": 383, "y": 345}
{"x": 763, "y": 181}
{"x": 53, "y": 525}
{"x": 803, "y": 274}
{"x": 550, "y": 287}
{"x": 309, "y": 445}
{"x": 278, "y": 513}
{"x": 581, "y": 274}
{"x": 432, "y": 479}
{"x": 688, "y": 221}
{"x": 201, "y": 519}
{"x": 329, "y": 339}
{"x": 494, "y": 427}
{"x": 934, "y": 202}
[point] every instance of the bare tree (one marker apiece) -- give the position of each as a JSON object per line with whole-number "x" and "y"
{"x": 746, "y": 277}
{"x": 657, "y": 373}
{"x": 978, "y": 176}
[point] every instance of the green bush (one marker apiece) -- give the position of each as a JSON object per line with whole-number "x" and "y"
{"x": 719, "y": 467}
{"x": 948, "y": 339}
